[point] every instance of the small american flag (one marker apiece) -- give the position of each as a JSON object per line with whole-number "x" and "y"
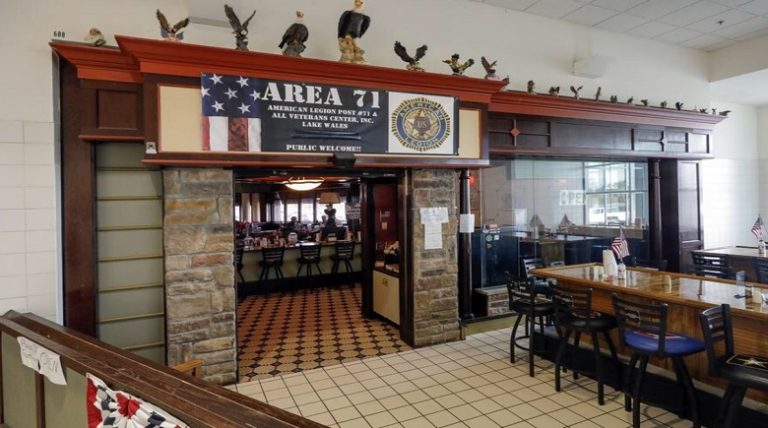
{"x": 620, "y": 246}
{"x": 757, "y": 228}
{"x": 231, "y": 115}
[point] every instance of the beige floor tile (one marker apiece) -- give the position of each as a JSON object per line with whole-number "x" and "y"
{"x": 337, "y": 403}
{"x": 471, "y": 395}
{"x": 405, "y": 413}
{"x": 546, "y": 405}
{"x": 393, "y": 402}
{"x": 345, "y": 414}
{"x": 586, "y": 424}
{"x": 370, "y": 408}
{"x": 442, "y": 418}
{"x": 609, "y": 421}
{"x": 381, "y": 419}
{"x": 420, "y": 422}
{"x": 404, "y": 387}
{"x": 480, "y": 422}
{"x": 383, "y": 392}
{"x": 585, "y": 410}
{"x": 360, "y": 397}
{"x": 457, "y": 386}
{"x": 312, "y": 409}
{"x": 329, "y": 393}
{"x": 486, "y": 406}
{"x": 305, "y": 398}
{"x": 525, "y": 411}
{"x": 323, "y": 418}
{"x": 352, "y": 388}
{"x": 504, "y": 417}
{"x": 427, "y": 407}
{"x": 490, "y": 390}
{"x": 465, "y": 412}
{"x": 450, "y": 401}
{"x": 355, "y": 423}
{"x": 545, "y": 421}
{"x": 415, "y": 396}
{"x": 566, "y": 416}
{"x": 436, "y": 391}
{"x": 283, "y": 403}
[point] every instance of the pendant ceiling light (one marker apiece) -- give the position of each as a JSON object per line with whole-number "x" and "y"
{"x": 303, "y": 184}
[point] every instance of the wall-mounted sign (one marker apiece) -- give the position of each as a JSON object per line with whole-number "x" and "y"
{"x": 41, "y": 360}
{"x": 571, "y": 197}
{"x": 253, "y": 115}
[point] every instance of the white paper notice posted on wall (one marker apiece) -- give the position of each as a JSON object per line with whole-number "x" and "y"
{"x": 433, "y": 218}
{"x": 41, "y": 360}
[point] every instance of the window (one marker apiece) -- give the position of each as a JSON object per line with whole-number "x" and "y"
{"x": 616, "y": 192}
{"x": 291, "y": 209}
{"x": 307, "y": 210}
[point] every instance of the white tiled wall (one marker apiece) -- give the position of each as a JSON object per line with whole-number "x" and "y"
{"x": 27, "y": 218}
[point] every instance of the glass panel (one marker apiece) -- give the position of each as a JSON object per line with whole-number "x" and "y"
{"x": 291, "y": 209}
{"x": 616, "y": 208}
{"x": 278, "y": 211}
{"x": 596, "y": 209}
{"x": 595, "y": 180}
{"x": 341, "y": 212}
{"x": 616, "y": 177}
{"x": 307, "y": 210}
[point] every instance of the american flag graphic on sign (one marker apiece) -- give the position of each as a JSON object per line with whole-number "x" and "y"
{"x": 231, "y": 114}
{"x": 620, "y": 246}
{"x": 757, "y": 228}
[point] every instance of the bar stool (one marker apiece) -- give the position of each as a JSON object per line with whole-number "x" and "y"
{"x": 574, "y": 315}
{"x": 309, "y": 255}
{"x": 541, "y": 285}
{"x": 523, "y": 299}
{"x": 271, "y": 260}
{"x": 741, "y": 371}
{"x": 239, "y": 251}
{"x": 643, "y": 329}
{"x": 711, "y": 265}
{"x": 761, "y": 269}
{"x": 344, "y": 254}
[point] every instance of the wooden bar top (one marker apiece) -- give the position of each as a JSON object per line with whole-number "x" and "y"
{"x": 668, "y": 287}
{"x": 734, "y": 251}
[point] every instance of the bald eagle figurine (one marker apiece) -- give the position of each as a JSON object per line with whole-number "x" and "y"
{"x": 352, "y": 26}
{"x": 175, "y": 33}
{"x": 293, "y": 40}
{"x": 413, "y": 61}
{"x": 240, "y": 30}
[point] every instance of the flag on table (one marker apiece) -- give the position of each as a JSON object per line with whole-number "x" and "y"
{"x": 231, "y": 114}
{"x": 620, "y": 246}
{"x": 116, "y": 409}
{"x": 757, "y": 228}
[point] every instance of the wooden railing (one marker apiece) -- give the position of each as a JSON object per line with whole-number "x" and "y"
{"x": 28, "y": 399}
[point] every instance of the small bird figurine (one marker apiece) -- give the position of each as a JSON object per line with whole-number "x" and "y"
{"x": 575, "y": 91}
{"x": 597, "y": 94}
{"x": 352, "y": 26}
{"x": 663, "y": 104}
{"x": 413, "y": 61}
{"x": 490, "y": 70}
{"x": 554, "y": 90}
{"x": 95, "y": 38}
{"x": 614, "y": 99}
{"x": 630, "y": 100}
{"x": 702, "y": 110}
{"x": 714, "y": 111}
{"x": 175, "y": 33}
{"x": 240, "y": 30}
{"x": 725, "y": 113}
{"x": 644, "y": 102}
{"x": 679, "y": 105}
{"x": 457, "y": 68}
{"x": 295, "y": 36}
{"x": 531, "y": 86}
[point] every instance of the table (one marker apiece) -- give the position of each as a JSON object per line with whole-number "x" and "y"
{"x": 739, "y": 258}
{"x": 687, "y": 296}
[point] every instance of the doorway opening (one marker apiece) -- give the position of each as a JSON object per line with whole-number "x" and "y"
{"x": 307, "y": 259}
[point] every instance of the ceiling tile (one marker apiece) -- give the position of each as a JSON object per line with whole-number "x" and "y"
{"x": 589, "y": 15}
{"x": 554, "y": 8}
{"x": 654, "y": 9}
{"x": 751, "y": 35}
{"x": 652, "y": 29}
{"x": 729, "y": 18}
{"x": 704, "y": 41}
{"x": 716, "y": 46}
{"x": 742, "y": 28}
{"x": 732, "y": 3}
{"x": 693, "y": 13}
{"x": 512, "y": 4}
{"x": 758, "y": 7}
{"x": 622, "y": 23}
{"x": 619, "y": 5}
{"x": 678, "y": 36}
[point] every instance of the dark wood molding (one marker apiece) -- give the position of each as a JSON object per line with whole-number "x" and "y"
{"x": 407, "y": 283}
{"x": 98, "y": 63}
{"x": 498, "y": 152}
{"x": 231, "y": 159}
{"x": 545, "y": 105}
{"x": 39, "y": 400}
{"x": 195, "y": 401}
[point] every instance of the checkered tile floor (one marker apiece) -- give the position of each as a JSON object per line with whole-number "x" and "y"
{"x": 291, "y": 332}
{"x": 462, "y": 384}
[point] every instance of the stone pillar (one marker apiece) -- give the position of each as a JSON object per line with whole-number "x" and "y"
{"x": 199, "y": 272}
{"x": 435, "y": 272}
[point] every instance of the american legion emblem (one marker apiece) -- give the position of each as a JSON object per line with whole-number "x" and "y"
{"x": 421, "y": 124}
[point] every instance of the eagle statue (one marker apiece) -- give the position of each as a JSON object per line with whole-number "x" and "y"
{"x": 175, "y": 33}
{"x": 413, "y": 62}
{"x": 293, "y": 40}
{"x": 457, "y": 67}
{"x": 240, "y": 30}
{"x": 352, "y": 26}
{"x": 490, "y": 70}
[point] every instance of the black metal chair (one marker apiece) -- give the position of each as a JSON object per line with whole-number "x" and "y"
{"x": 711, "y": 265}
{"x": 239, "y": 252}
{"x": 574, "y": 315}
{"x": 309, "y": 257}
{"x": 344, "y": 253}
{"x": 271, "y": 261}
{"x": 741, "y": 371}
{"x": 761, "y": 270}
{"x": 643, "y": 330}
{"x": 540, "y": 285}
{"x": 524, "y": 300}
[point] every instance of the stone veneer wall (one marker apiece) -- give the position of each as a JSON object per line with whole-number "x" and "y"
{"x": 435, "y": 272}
{"x": 199, "y": 272}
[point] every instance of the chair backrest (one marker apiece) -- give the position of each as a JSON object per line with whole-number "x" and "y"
{"x": 711, "y": 265}
{"x": 716, "y": 326}
{"x": 310, "y": 251}
{"x": 761, "y": 269}
{"x": 572, "y": 303}
{"x": 522, "y": 291}
{"x": 345, "y": 249}
{"x": 642, "y": 318}
{"x": 530, "y": 263}
{"x": 272, "y": 255}
{"x": 239, "y": 251}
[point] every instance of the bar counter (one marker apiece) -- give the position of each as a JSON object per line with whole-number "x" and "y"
{"x": 687, "y": 296}
{"x": 252, "y": 257}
